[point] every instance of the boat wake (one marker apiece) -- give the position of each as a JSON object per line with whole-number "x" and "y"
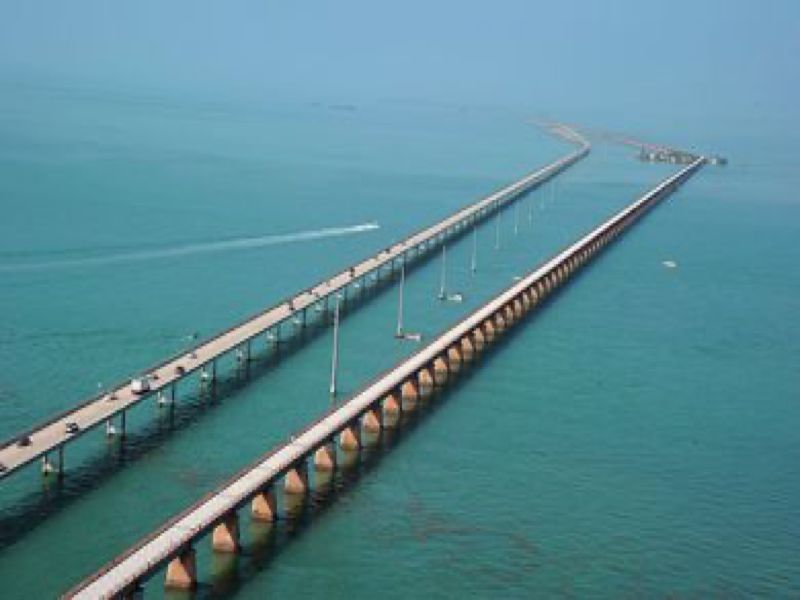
{"x": 244, "y": 243}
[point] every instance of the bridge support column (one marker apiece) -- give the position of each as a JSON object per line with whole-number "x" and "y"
{"x": 47, "y": 466}
{"x": 134, "y": 591}
{"x": 440, "y": 371}
{"x": 453, "y": 359}
{"x": 182, "y": 571}
{"x": 426, "y": 383}
{"x": 518, "y": 310}
{"x": 509, "y": 316}
{"x": 373, "y": 420}
{"x": 264, "y": 507}
{"x": 212, "y": 383}
{"x": 488, "y": 331}
{"x": 350, "y": 438}
{"x": 391, "y": 411}
{"x": 526, "y": 301}
{"x": 467, "y": 349}
{"x": 295, "y": 482}
{"x": 500, "y": 323}
{"x": 325, "y": 458}
{"x": 409, "y": 395}
{"x": 225, "y": 537}
{"x": 60, "y": 467}
{"x": 479, "y": 341}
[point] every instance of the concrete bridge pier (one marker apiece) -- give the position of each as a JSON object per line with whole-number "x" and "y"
{"x": 425, "y": 382}
{"x": 134, "y": 591}
{"x": 350, "y": 437}
{"x": 478, "y": 340}
{"x": 172, "y": 403}
{"x": 264, "y": 506}
{"x": 454, "y": 359}
{"x": 48, "y": 468}
{"x": 60, "y": 463}
{"x": 391, "y": 410}
{"x": 182, "y": 570}
{"x": 295, "y": 481}
{"x": 372, "y": 421}
{"x": 409, "y": 395}
{"x": 499, "y": 323}
{"x": 518, "y": 309}
{"x": 440, "y": 371}
{"x": 526, "y": 301}
{"x": 325, "y": 458}
{"x": 225, "y": 537}
{"x": 467, "y": 349}
{"x": 488, "y": 331}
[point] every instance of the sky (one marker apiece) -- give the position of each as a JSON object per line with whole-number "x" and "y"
{"x": 730, "y": 57}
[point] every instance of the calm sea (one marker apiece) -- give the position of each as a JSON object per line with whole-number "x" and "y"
{"x": 640, "y": 437}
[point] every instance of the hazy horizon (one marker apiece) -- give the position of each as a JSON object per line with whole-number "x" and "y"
{"x": 679, "y": 60}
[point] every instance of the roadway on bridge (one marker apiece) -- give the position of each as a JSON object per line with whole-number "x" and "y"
{"x": 153, "y": 551}
{"x": 52, "y": 434}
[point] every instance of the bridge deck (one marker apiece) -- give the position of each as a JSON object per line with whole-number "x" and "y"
{"x": 153, "y": 551}
{"x": 52, "y": 434}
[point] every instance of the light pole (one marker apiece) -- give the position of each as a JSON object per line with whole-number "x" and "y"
{"x": 335, "y": 358}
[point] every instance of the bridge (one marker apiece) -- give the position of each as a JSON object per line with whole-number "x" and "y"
{"x": 378, "y": 405}
{"x": 53, "y": 434}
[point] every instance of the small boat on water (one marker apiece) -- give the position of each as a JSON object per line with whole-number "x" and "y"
{"x": 669, "y": 264}
{"x": 455, "y": 297}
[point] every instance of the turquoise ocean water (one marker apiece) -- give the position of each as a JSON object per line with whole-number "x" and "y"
{"x": 638, "y": 438}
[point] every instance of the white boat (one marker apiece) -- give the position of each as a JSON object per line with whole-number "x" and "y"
{"x": 670, "y": 264}
{"x": 455, "y": 297}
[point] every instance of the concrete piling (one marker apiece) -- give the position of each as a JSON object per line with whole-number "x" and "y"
{"x": 325, "y": 458}
{"x": 426, "y": 383}
{"x": 295, "y": 481}
{"x": 440, "y": 371}
{"x": 264, "y": 507}
{"x": 225, "y": 537}
{"x": 409, "y": 395}
{"x": 391, "y": 410}
{"x": 467, "y": 349}
{"x": 453, "y": 359}
{"x": 182, "y": 571}
{"x": 350, "y": 438}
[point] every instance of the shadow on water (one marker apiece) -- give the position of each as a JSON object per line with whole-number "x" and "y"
{"x": 231, "y": 573}
{"x": 32, "y": 509}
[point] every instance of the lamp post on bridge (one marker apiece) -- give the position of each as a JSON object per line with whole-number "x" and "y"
{"x": 335, "y": 358}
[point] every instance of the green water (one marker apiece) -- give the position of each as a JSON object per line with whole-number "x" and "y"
{"x": 638, "y": 437}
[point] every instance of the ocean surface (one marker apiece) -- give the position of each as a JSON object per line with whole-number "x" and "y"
{"x": 639, "y": 437}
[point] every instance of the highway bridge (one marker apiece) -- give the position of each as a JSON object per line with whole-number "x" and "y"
{"x": 59, "y": 430}
{"x": 375, "y": 406}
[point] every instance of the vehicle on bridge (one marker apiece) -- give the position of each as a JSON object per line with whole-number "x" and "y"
{"x": 140, "y": 385}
